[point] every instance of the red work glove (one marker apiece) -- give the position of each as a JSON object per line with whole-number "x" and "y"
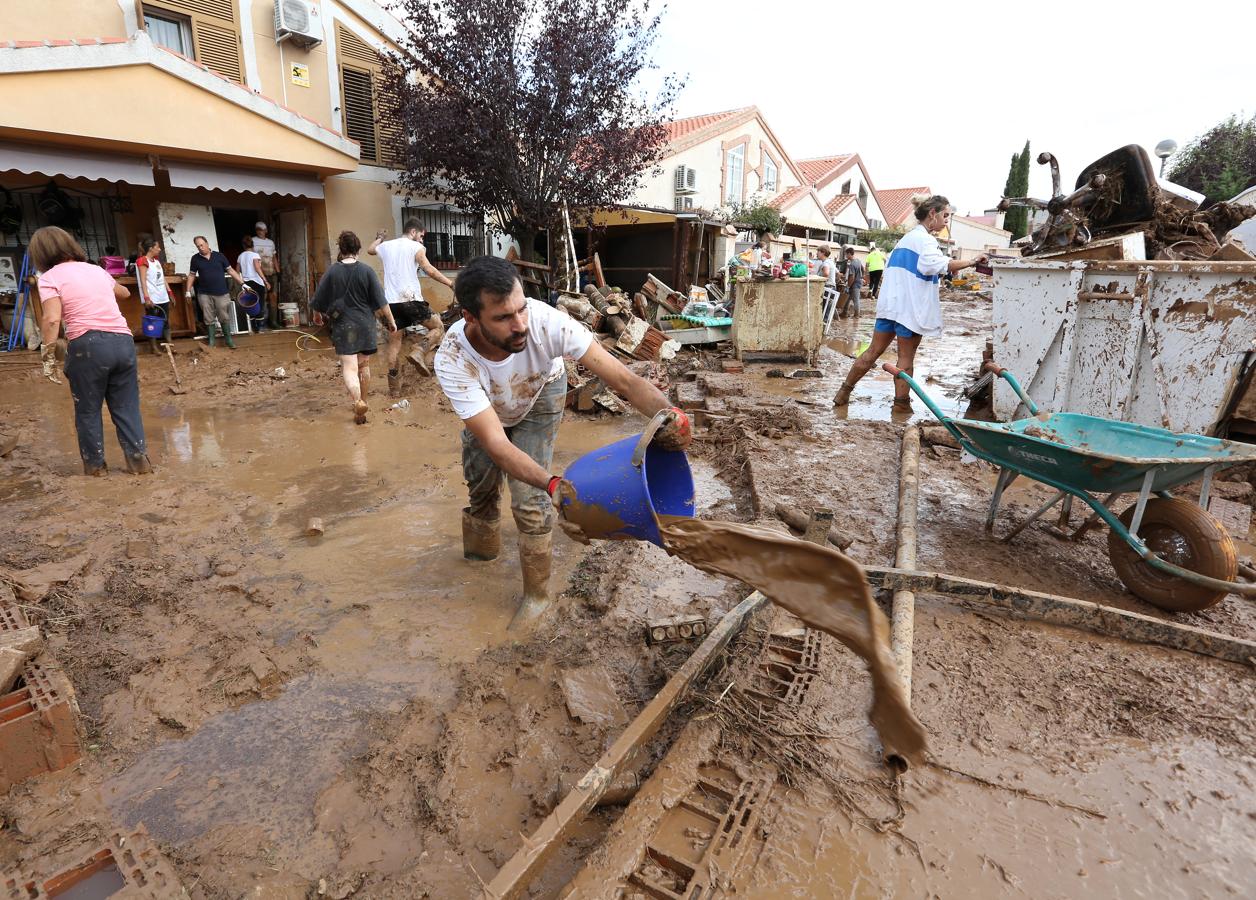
{"x": 559, "y": 489}
{"x": 676, "y": 434}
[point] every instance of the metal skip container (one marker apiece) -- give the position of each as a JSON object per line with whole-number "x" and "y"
{"x": 1161, "y": 343}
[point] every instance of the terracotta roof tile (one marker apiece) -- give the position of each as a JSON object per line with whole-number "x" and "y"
{"x": 896, "y": 203}
{"x": 813, "y": 170}
{"x": 112, "y": 40}
{"x": 838, "y": 203}
{"x": 680, "y": 128}
{"x": 786, "y": 198}
{"x": 20, "y": 45}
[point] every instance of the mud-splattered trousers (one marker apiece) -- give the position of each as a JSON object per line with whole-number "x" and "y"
{"x": 534, "y": 435}
{"x": 217, "y": 308}
{"x": 101, "y": 368}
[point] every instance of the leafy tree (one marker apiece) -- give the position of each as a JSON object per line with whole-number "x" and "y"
{"x": 512, "y": 108}
{"x": 1220, "y": 162}
{"x": 1017, "y": 219}
{"x": 885, "y": 238}
{"x": 761, "y": 217}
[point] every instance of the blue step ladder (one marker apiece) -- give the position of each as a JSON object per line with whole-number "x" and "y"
{"x": 17, "y": 327}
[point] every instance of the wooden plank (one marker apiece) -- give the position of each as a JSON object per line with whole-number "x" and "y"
{"x": 1083, "y": 614}
{"x": 598, "y": 277}
{"x": 513, "y": 878}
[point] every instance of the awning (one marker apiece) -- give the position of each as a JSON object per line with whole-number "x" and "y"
{"x": 243, "y": 181}
{"x": 49, "y": 159}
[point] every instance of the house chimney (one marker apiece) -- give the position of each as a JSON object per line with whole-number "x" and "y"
{"x": 998, "y": 217}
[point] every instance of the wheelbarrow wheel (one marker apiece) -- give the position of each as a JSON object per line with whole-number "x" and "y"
{"x": 1182, "y": 533}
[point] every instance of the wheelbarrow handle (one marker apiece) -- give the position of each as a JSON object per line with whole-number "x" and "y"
{"x": 1000, "y": 372}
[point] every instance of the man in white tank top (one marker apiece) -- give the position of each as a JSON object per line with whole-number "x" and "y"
{"x": 403, "y": 257}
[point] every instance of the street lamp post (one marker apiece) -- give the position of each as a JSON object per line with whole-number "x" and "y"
{"x": 1164, "y": 150}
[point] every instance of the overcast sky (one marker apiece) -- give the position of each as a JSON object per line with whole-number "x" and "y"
{"x": 942, "y": 94}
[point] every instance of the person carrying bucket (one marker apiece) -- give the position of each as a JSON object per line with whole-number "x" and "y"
{"x": 150, "y": 281}
{"x": 249, "y": 263}
{"x": 501, "y": 366}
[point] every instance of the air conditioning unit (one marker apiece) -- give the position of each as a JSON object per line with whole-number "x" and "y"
{"x": 298, "y": 21}
{"x": 683, "y": 202}
{"x": 686, "y": 180}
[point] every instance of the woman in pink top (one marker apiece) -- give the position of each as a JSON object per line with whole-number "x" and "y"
{"x": 100, "y": 361}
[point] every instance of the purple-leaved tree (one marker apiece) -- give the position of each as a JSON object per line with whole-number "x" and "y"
{"x": 508, "y": 109}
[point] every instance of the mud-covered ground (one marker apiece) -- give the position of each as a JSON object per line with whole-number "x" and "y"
{"x": 347, "y": 715}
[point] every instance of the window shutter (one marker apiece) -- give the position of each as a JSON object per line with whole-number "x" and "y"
{"x": 359, "y": 110}
{"x": 215, "y": 33}
{"x": 218, "y": 48}
{"x": 370, "y": 109}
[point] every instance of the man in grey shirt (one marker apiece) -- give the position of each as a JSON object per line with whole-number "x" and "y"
{"x": 854, "y": 280}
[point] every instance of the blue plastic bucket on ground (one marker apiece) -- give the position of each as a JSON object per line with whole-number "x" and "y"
{"x": 249, "y": 302}
{"x": 153, "y": 326}
{"x": 618, "y": 500}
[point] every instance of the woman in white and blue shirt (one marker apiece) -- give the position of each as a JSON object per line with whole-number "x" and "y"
{"x": 909, "y": 306}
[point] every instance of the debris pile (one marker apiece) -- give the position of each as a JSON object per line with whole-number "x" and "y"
{"x": 1118, "y": 196}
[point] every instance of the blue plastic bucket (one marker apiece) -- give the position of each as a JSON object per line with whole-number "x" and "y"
{"x": 153, "y": 326}
{"x": 618, "y": 500}
{"x": 249, "y": 302}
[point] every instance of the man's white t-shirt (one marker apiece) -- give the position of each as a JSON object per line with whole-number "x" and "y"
{"x": 248, "y": 262}
{"x": 401, "y": 274}
{"x": 265, "y": 248}
{"x": 473, "y": 383}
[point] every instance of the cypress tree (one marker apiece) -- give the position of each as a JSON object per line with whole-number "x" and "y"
{"x": 1017, "y": 219}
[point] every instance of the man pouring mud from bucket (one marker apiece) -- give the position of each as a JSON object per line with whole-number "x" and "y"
{"x": 501, "y": 366}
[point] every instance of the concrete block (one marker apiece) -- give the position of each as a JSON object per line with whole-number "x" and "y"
{"x": 718, "y": 384}
{"x": 689, "y": 396}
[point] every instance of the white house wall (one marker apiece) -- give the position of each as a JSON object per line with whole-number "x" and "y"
{"x": 707, "y": 158}
{"x": 856, "y": 176}
{"x": 971, "y": 239}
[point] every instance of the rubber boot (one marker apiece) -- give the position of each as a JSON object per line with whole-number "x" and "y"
{"x": 535, "y": 558}
{"x": 139, "y": 465}
{"x": 418, "y": 359}
{"x": 842, "y": 397}
{"x": 481, "y": 538}
{"x": 99, "y": 471}
{"x": 211, "y": 330}
{"x": 394, "y": 383}
{"x": 226, "y": 336}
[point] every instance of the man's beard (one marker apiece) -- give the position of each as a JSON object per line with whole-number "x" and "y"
{"x": 507, "y": 343}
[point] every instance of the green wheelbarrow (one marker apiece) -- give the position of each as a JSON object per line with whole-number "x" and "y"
{"x": 1169, "y": 551}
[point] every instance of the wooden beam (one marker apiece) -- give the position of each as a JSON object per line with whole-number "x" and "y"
{"x": 513, "y": 878}
{"x": 903, "y": 610}
{"x": 1083, "y": 614}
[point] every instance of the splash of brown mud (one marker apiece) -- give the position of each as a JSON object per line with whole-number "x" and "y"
{"x": 825, "y": 589}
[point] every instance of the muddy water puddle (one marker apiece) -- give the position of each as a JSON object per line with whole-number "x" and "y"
{"x": 262, "y": 765}
{"x": 945, "y": 365}
{"x": 1141, "y": 821}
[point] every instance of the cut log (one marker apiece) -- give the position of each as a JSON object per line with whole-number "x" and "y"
{"x": 797, "y": 520}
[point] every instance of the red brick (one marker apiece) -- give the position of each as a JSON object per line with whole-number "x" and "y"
{"x": 37, "y": 724}
{"x": 146, "y": 875}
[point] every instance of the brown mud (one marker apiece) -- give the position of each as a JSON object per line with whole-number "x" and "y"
{"x": 822, "y": 587}
{"x": 346, "y": 715}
